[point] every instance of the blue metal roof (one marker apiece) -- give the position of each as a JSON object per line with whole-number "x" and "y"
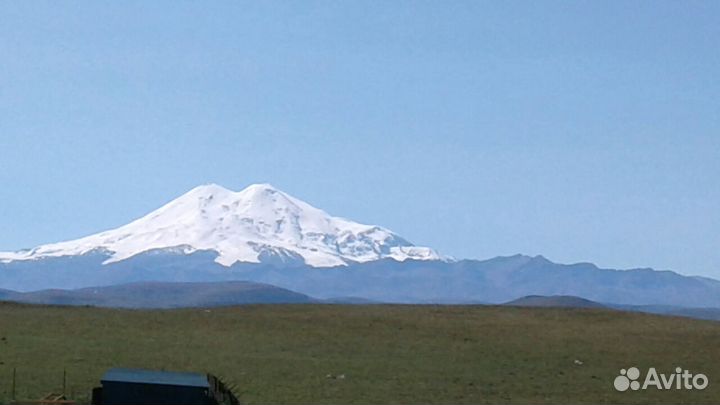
{"x": 139, "y": 376}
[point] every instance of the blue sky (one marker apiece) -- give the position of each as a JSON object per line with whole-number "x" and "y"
{"x": 583, "y": 131}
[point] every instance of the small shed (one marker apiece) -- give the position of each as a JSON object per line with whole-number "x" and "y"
{"x": 122, "y": 386}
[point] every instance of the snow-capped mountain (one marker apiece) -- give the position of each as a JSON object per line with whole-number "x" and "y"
{"x": 257, "y": 224}
{"x": 263, "y": 235}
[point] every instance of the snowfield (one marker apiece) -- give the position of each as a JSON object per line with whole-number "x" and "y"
{"x": 257, "y": 224}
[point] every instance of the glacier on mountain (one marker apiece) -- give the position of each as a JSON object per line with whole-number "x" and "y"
{"x": 259, "y": 224}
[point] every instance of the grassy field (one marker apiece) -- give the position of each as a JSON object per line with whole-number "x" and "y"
{"x": 388, "y": 354}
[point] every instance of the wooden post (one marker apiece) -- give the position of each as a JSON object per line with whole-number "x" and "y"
{"x": 13, "y": 384}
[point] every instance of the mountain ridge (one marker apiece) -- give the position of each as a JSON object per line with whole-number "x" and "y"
{"x": 492, "y": 281}
{"x": 262, "y": 235}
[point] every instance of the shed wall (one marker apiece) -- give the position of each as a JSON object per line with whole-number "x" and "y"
{"x": 123, "y": 393}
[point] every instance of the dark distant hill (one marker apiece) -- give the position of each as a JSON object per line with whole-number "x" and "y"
{"x": 567, "y": 301}
{"x": 350, "y": 300}
{"x": 712, "y": 314}
{"x": 163, "y": 295}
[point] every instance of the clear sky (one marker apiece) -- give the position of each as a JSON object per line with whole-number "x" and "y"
{"x": 582, "y": 131}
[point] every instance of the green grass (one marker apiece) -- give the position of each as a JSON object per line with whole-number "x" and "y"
{"x": 389, "y": 354}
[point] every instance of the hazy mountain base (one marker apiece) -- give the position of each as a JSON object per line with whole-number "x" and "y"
{"x": 157, "y": 294}
{"x": 496, "y": 280}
